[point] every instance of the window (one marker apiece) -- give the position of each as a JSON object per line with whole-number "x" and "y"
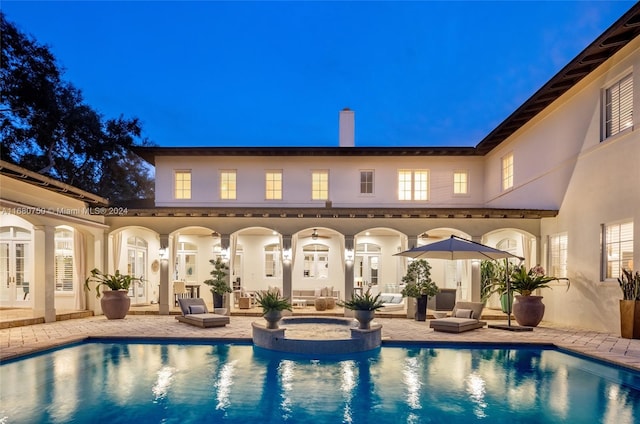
{"x": 316, "y": 261}
{"x": 618, "y": 107}
{"x": 272, "y": 265}
{"x": 366, "y": 182}
{"x": 558, "y": 255}
{"x": 64, "y": 260}
{"x": 413, "y": 184}
{"x": 183, "y": 184}
{"x": 460, "y": 182}
{"x": 507, "y": 171}
{"x": 320, "y": 185}
{"x": 617, "y": 249}
{"x": 228, "y": 185}
{"x": 273, "y": 185}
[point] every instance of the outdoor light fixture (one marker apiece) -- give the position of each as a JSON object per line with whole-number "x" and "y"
{"x": 163, "y": 253}
{"x": 286, "y": 256}
{"x": 348, "y": 255}
{"x": 314, "y": 235}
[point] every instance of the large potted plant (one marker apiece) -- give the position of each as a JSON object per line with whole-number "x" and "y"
{"x": 630, "y": 304}
{"x": 218, "y": 284}
{"x": 418, "y": 285}
{"x": 528, "y": 309}
{"x": 115, "y": 302}
{"x": 364, "y": 307}
{"x": 272, "y": 306}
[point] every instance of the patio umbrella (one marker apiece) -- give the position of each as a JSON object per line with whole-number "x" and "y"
{"x": 455, "y": 248}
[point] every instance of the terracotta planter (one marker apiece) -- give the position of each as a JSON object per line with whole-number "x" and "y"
{"x": 115, "y": 303}
{"x": 528, "y": 310}
{"x": 364, "y": 318}
{"x": 272, "y": 318}
{"x": 630, "y": 319}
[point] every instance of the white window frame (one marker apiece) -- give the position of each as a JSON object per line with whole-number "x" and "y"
{"x": 182, "y": 185}
{"x": 365, "y": 183}
{"x": 507, "y": 171}
{"x": 320, "y": 184}
{"x": 460, "y": 188}
{"x": 558, "y": 254}
{"x": 413, "y": 185}
{"x": 228, "y": 185}
{"x": 617, "y": 107}
{"x": 617, "y": 249}
{"x": 63, "y": 266}
{"x": 316, "y": 261}
{"x": 273, "y": 184}
{"x": 272, "y": 261}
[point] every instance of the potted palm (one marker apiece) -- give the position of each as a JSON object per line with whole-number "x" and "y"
{"x": 364, "y": 307}
{"x": 115, "y": 302}
{"x": 630, "y": 304}
{"x": 528, "y": 309}
{"x": 218, "y": 284}
{"x": 419, "y": 285}
{"x": 272, "y": 306}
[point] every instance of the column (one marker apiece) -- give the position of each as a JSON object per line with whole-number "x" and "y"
{"x": 164, "y": 305}
{"x": 44, "y": 276}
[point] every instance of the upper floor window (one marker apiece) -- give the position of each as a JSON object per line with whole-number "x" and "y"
{"x": 558, "y": 255}
{"x": 228, "y": 185}
{"x": 413, "y": 184}
{"x": 63, "y": 265}
{"x": 320, "y": 185}
{"x": 617, "y": 248}
{"x": 460, "y": 182}
{"x": 507, "y": 171}
{"x": 366, "y": 182}
{"x": 618, "y": 107}
{"x": 273, "y": 185}
{"x": 183, "y": 184}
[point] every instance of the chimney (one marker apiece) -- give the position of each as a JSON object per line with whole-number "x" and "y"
{"x": 347, "y": 128}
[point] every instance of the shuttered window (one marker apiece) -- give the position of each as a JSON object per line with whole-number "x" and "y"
{"x": 64, "y": 260}
{"x": 617, "y": 249}
{"x": 618, "y": 107}
{"x": 558, "y": 255}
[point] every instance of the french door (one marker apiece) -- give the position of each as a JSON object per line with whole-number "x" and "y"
{"x": 15, "y": 267}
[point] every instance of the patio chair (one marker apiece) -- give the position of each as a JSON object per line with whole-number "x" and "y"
{"x": 195, "y": 312}
{"x": 464, "y": 317}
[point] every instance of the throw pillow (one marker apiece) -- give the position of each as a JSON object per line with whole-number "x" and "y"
{"x": 464, "y": 313}
{"x": 317, "y": 292}
{"x": 196, "y": 309}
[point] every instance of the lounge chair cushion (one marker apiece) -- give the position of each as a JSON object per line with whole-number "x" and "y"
{"x": 456, "y": 324}
{"x": 464, "y": 313}
{"x": 199, "y": 316}
{"x": 197, "y": 309}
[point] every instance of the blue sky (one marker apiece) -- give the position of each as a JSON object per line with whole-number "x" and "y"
{"x": 213, "y": 73}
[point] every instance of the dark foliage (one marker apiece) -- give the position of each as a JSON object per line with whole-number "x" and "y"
{"x": 46, "y": 127}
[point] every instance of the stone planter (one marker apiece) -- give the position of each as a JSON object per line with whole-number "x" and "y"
{"x": 630, "y": 319}
{"x": 528, "y": 310}
{"x": 364, "y": 318}
{"x": 273, "y": 318}
{"x": 115, "y": 303}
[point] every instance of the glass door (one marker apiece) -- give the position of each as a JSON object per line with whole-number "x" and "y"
{"x": 136, "y": 266}
{"x": 15, "y": 288}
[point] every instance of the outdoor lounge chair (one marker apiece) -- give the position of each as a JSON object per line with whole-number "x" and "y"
{"x": 464, "y": 317}
{"x": 195, "y": 312}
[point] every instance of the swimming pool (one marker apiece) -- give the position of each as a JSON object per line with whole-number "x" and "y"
{"x": 164, "y": 382}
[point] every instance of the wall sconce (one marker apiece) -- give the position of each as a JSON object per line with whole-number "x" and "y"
{"x": 286, "y": 256}
{"x": 348, "y": 255}
{"x": 163, "y": 252}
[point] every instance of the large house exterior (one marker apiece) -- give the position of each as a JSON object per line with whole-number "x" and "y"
{"x": 556, "y": 183}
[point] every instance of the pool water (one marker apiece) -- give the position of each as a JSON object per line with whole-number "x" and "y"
{"x": 237, "y": 383}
